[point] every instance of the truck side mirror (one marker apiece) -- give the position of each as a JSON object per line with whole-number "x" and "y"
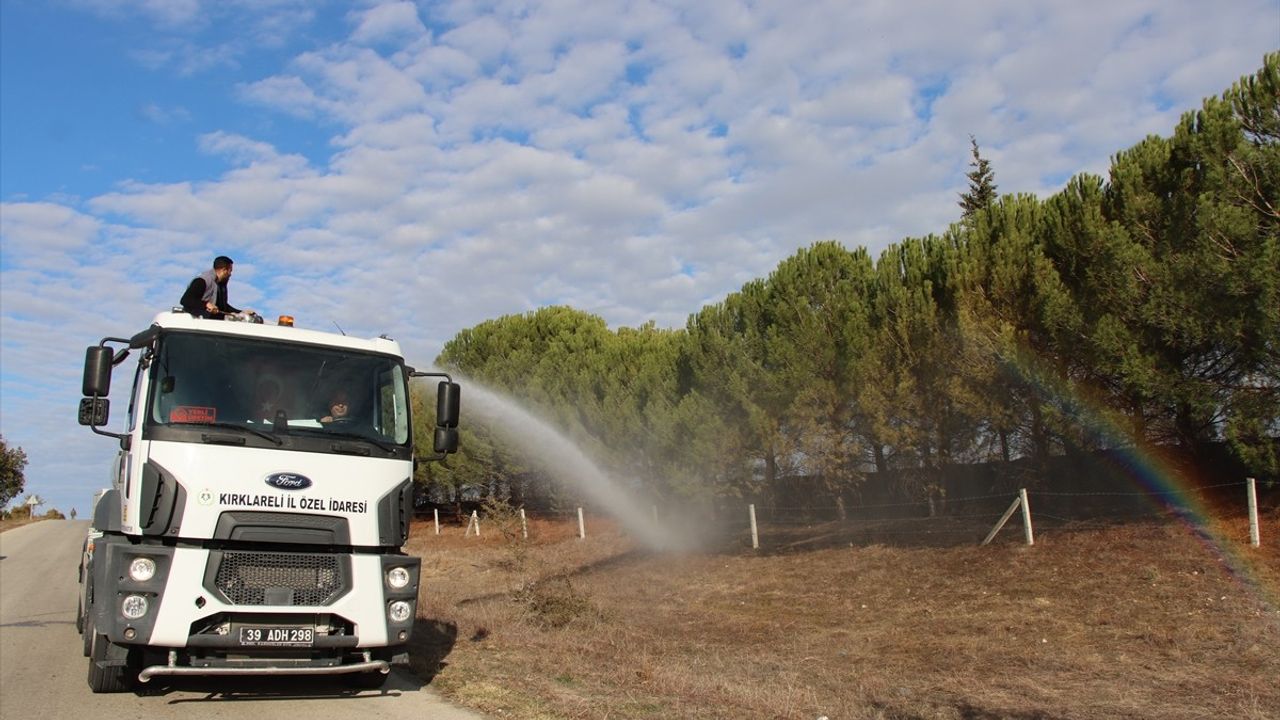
{"x": 97, "y": 371}
{"x": 448, "y": 401}
{"x": 94, "y": 411}
{"x": 446, "y": 440}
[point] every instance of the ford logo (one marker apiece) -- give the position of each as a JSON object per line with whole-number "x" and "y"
{"x": 288, "y": 481}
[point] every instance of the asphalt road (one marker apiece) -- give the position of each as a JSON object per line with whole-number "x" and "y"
{"x": 42, "y": 670}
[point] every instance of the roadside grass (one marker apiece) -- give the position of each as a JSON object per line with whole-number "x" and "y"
{"x": 10, "y": 523}
{"x": 1142, "y": 620}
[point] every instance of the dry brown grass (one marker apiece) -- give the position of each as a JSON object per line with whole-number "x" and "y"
{"x": 1134, "y": 621}
{"x": 10, "y": 523}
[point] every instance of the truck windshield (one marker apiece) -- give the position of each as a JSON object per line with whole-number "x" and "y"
{"x": 280, "y": 388}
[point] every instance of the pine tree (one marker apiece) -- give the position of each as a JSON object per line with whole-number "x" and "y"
{"x": 982, "y": 184}
{"x": 726, "y": 361}
{"x": 819, "y": 330}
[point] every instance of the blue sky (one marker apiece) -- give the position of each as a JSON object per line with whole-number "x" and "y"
{"x": 417, "y": 168}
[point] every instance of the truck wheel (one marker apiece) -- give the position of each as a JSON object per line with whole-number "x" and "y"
{"x": 108, "y": 679}
{"x": 79, "y": 615}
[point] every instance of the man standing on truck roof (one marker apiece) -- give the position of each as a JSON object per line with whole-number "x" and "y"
{"x": 206, "y": 296}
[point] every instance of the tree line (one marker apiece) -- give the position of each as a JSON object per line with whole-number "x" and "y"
{"x": 1137, "y": 310}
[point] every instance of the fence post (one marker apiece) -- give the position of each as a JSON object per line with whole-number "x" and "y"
{"x": 755, "y": 535}
{"x": 436, "y": 512}
{"x": 1026, "y": 517}
{"x": 475, "y": 520}
{"x": 1003, "y": 519}
{"x": 1254, "y": 538}
{"x": 524, "y": 525}
{"x": 582, "y": 526}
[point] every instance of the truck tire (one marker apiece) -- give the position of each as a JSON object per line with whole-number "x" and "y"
{"x": 106, "y": 679}
{"x": 82, "y": 622}
{"x": 80, "y": 616}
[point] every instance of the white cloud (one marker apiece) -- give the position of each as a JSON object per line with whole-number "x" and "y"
{"x": 250, "y": 153}
{"x": 169, "y": 14}
{"x": 30, "y": 228}
{"x": 354, "y": 85}
{"x": 388, "y": 21}
{"x": 439, "y": 67}
{"x": 485, "y": 39}
{"x": 886, "y": 100}
{"x": 287, "y": 93}
{"x": 161, "y": 115}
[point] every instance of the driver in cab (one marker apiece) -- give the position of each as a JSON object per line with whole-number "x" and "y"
{"x": 339, "y": 409}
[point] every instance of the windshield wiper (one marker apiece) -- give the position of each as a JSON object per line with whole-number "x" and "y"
{"x": 339, "y": 434}
{"x": 234, "y": 426}
{"x": 357, "y": 436}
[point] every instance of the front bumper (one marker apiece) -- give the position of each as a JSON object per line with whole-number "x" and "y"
{"x": 173, "y": 668}
{"x": 189, "y": 600}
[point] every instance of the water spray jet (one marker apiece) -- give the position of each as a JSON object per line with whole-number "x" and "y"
{"x": 564, "y": 462}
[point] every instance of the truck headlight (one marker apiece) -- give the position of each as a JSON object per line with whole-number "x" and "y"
{"x": 134, "y": 606}
{"x": 400, "y": 611}
{"x": 142, "y": 569}
{"x": 398, "y": 577}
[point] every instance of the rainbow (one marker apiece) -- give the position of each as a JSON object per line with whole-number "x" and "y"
{"x": 1155, "y": 473}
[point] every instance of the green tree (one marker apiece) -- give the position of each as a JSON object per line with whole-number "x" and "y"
{"x": 724, "y": 363}
{"x": 907, "y": 396}
{"x": 548, "y": 360}
{"x": 1252, "y": 183}
{"x": 13, "y": 464}
{"x": 614, "y": 394}
{"x": 1101, "y": 269}
{"x": 1018, "y": 316}
{"x": 982, "y": 184}
{"x": 818, "y": 330}
{"x": 1199, "y": 208}
{"x": 633, "y": 404}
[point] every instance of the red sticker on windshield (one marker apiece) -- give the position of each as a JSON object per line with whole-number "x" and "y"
{"x": 193, "y": 414}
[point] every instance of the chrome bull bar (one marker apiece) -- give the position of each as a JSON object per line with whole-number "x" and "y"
{"x": 173, "y": 668}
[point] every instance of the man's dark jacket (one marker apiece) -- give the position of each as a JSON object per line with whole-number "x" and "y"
{"x": 206, "y": 288}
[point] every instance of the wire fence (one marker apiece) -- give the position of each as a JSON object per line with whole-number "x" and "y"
{"x": 957, "y": 520}
{"x": 933, "y": 521}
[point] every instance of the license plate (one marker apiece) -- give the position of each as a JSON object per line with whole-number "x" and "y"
{"x": 277, "y": 636}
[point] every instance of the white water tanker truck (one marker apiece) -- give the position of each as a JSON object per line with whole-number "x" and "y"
{"x": 249, "y": 529}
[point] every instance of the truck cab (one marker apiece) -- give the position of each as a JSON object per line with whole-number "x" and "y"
{"x": 250, "y": 529}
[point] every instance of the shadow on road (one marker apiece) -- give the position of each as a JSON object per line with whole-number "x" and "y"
{"x": 431, "y": 643}
{"x": 259, "y": 688}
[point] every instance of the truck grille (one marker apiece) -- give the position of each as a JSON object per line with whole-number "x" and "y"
{"x": 258, "y": 578}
